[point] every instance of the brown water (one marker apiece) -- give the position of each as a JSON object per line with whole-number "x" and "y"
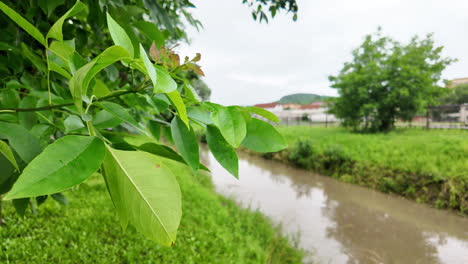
{"x": 344, "y": 223}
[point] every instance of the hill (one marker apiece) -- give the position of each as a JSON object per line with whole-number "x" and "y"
{"x": 301, "y": 98}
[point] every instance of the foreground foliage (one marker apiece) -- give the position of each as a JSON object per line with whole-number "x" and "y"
{"x": 81, "y": 79}
{"x": 387, "y": 81}
{"x": 213, "y": 230}
{"x": 428, "y": 166}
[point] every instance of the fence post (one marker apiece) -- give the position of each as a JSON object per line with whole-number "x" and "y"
{"x": 427, "y": 118}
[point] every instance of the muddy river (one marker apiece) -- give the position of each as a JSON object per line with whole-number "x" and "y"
{"x": 343, "y": 223}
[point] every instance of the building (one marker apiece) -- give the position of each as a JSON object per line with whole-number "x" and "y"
{"x": 314, "y": 112}
{"x": 458, "y": 81}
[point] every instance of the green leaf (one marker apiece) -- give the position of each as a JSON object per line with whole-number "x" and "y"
{"x": 165, "y": 83}
{"x": 60, "y": 198}
{"x": 6, "y": 151}
{"x": 222, "y": 151}
{"x": 150, "y": 70}
{"x": 145, "y": 193}
{"x": 165, "y": 152}
{"x": 10, "y": 98}
{"x": 104, "y": 119}
{"x": 56, "y": 29}
{"x": 121, "y": 113}
{"x": 48, "y": 6}
{"x": 25, "y": 144}
{"x": 231, "y": 123}
{"x": 152, "y": 31}
{"x": 179, "y": 105}
{"x": 34, "y": 58}
{"x": 63, "y": 164}
{"x": 62, "y": 50}
{"x": 262, "y": 112}
{"x": 80, "y": 81}
{"x": 155, "y": 129}
{"x": 21, "y": 205}
{"x": 100, "y": 89}
{"x": 27, "y": 119}
{"x": 23, "y": 23}
{"x": 263, "y": 137}
{"x": 119, "y": 36}
{"x": 56, "y": 68}
{"x": 72, "y": 123}
{"x": 41, "y": 199}
{"x": 200, "y": 115}
{"x": 185, "y": 142}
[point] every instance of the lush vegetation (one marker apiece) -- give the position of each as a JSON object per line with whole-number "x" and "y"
{"x": 387, "y": 81}
{"x": 428, "y": 166}
{"x": 302, "y": 98}
{"x": 77, "y": 77}
{"x": 213, "y": 230}
{"x": 457, "y": 95}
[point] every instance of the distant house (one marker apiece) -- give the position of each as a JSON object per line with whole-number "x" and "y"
{"x": 290, "y": 106}
{"x": 458, "y": 81}
{"x": 270, "y": 106}
{"x": 316, "y": 112}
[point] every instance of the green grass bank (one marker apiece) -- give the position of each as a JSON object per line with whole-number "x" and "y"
{"x": 213, "y": 230}
{"x": 427, "y": 166}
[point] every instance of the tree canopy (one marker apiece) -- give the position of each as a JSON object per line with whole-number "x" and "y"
{"x": 387, "y": 81}
{"x": 96, "y": 87}
{"x": 456, "y": 95}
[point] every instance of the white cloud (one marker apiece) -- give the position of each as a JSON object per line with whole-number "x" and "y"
{"x": 246, "y": 62}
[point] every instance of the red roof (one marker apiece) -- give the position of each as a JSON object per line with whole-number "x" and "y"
{"x": 268, "y": 105}
{"x": 315, "y": 105}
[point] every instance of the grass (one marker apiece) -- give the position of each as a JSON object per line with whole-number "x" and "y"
{"x": 428, "y": 166}
{"x": 442, "y": 153}
{"x": 213, "y": 230}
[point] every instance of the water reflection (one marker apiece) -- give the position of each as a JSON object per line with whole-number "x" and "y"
{"x": 344, "y": 223}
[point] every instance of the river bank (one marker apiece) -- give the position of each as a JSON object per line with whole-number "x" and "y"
{"x": 214, "y": 229}
{"x": 425, "y": 166}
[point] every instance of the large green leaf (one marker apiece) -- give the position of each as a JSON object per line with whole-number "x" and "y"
{"x": 119, "y": 36}
{"x": 56, "y": 29}
{"x": 178, "y": 103}
{"x": 231, "y": 123}
{"x": 165, "y": 83}
{"x": 264, "y": 113}
{"x": 222, "y": 151}
{"x": 25, "y": 144}
{"x": 263, "y": 137}
{"x": 6, "y": 151}
{"x": 63, "y": 164}
{"x": 23, "y": 23}
{"x": 186, "y": 142}
{"x": 145, "y": 192}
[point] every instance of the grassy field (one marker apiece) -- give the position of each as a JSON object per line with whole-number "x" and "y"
{"x": 429, "y": 166}
{"x": 213, "y": 230}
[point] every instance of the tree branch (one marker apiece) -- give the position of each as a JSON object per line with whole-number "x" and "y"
{"x": 50, "y": 107}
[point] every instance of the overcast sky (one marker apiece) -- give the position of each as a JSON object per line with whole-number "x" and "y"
{"x": 246, "y": 62}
